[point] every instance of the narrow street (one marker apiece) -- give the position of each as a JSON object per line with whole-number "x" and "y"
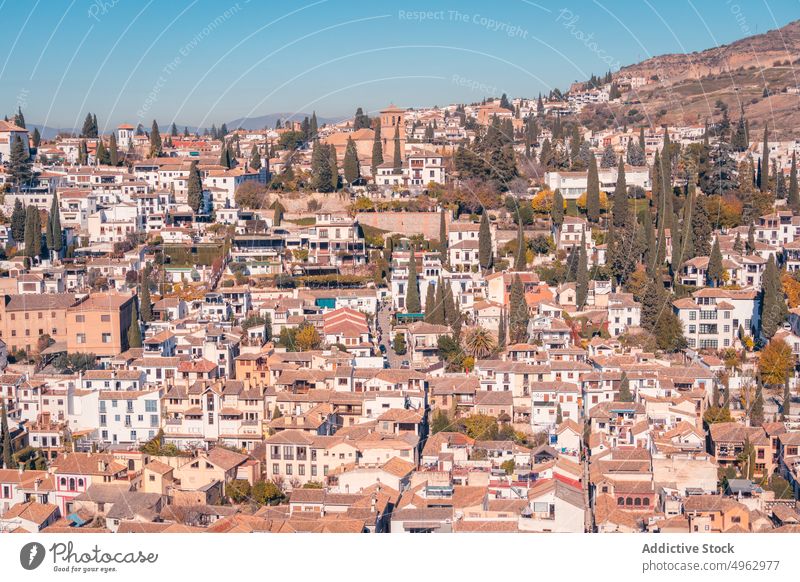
{"x": 386, "y": 338}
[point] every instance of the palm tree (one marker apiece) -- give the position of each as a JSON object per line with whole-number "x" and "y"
{"x": 479, "y": 343}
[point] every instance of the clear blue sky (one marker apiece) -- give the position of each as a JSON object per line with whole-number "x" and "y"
{"x": 210, "y": 61}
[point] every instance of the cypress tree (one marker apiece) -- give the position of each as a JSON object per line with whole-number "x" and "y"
{"x": 377, "y": 150}
{"x": 312, "y": 125}
{"x": 113, "y": 151}
{"x": 582, "y": 277}
{"x": 430, "y": 303}
{"x": 757, "y": 410}
{"x": 651, "y": 245}
{"x": 37, "y": 137}
{"x": 715, "y": 272}
{"x": 557, "y": 211}
{"x": 18, "y": 222}
{"x": 793, "y": 197}
{"x": 518, "y": 318}
{"x": 255, "y": 158}
{"x": 397, "y": 159}
{"x": 701, "y": 228}
{"x": 764, "y": 183}
{"x": 352, "y": 170}
{"x": 19, "y": 118}
{"x": 333, "y": 162}
{"x": 621, "y": 218}
{"x": 155, "y": 141}
{"x": 101, "y": 155}
{"x": 144, "y": 300}
{"x": 593, "y": 192}
{"x": 19, "y": 165}
{"x": 439, "y": 315}
{"x": 55, "y": 239}
{"x": 625, "y": 389}
{"x": 5, "y": 433}
{"x": 320, "y": 168}
{"x": 33, "y": 232}
{"x": 641, "y": 138}
{"x": 134, "y": 332}
{"x": 195, "y": 188}
{"x": 787, "y": 401}
{"x": 485, "y": 242}
{"x": 502, "y": 330}
{"x": 88, "y": 130}
{"x": 520, "y": 259}
{"x": 412, "y": 289}
{"x": 750, "y": 247}
{"x": 773, "y": 303}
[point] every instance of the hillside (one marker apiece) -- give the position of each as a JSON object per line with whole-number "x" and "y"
{"x": 686, "y": 87}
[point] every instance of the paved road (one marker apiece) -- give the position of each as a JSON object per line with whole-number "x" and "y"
{"x": 386, "y": 338}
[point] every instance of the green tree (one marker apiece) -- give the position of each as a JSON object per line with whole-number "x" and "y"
{"x": 521, "y": 251}
{"x": 89, "y": 126}
{"x": 620, "y": 205}
{"x": 518, "y": 317}
{"x": 238, "y": 490}
{"x": 255, "y": 158}
{"x": 321, "y": 168}
{"x": 397, "y": 154}
{"x": 773, "y": 303}
{"x": 33, "y": 232}
{"x": 18, "y": 222}
{"x": 113, "y": 151}
{"x": 557, "y": 212}
{"x": 485, "y": 242}
{"x": 37, "y": 137}
{"x": 333, "y": 162}
{"x": 593, "y": 192}
{"x": 155, "y": 141}
{"x": 412, "y": 290}
{"x": 793, "y": 197}
{"x": 134, "y": 331}
{"x": 19, "y": 164}
{"x": 377, "y": 150}
{"x": 582, "y": 276}
{"x": 399, "y": 344}
{"x": 55, "y": 238}
{"x": 441, "y": 422}
{"x": 266, "y": 493}
{"x": 764, "y": 181}
{"x": 352, "y": 169}
{"x": 5, "y": 433}
{"x": 145, "y": 301}
{"x": 625, "y": 394}
{"x": 716, "y": 272}
{"x": 430, "y": 302}
{"x": 195, "y": 188}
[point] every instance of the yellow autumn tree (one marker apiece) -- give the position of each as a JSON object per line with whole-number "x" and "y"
{"x": 791, "y": 287}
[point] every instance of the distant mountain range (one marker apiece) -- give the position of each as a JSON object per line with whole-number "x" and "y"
{"x": 260, "y": 122}
{"x": 269, "y": 120}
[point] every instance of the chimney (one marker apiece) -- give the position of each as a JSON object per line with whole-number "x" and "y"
{"x": 36, "y": 485}
{"x": 20, "y": 468}
{"x": 373, "y": 503}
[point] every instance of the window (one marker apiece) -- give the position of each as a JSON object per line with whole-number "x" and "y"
{"x": 692, "y": 315}
{"x": 288, "y": 468}
{"x": 106, "y": 338}
{"x": 80, "y": 338}
{"x": 276, "y": 469}
{"x": 150, "y": 406}
{"x": 105, "y": 318}
{"x": 80, "y": 318}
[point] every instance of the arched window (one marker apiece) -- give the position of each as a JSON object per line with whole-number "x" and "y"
{"x": 621, "y": 501}
{"x": 629, "y": 501}
{"x": 80, "y": 482}
{"x": 63, "y": 481}
{"x": 72, "y": 483}
{"x": 637, "y": 502}
{"x": 646, "y": 501}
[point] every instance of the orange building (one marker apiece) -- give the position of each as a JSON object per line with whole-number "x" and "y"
{"x": 99, "y": 324}
{"x": 25, "y": 318}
